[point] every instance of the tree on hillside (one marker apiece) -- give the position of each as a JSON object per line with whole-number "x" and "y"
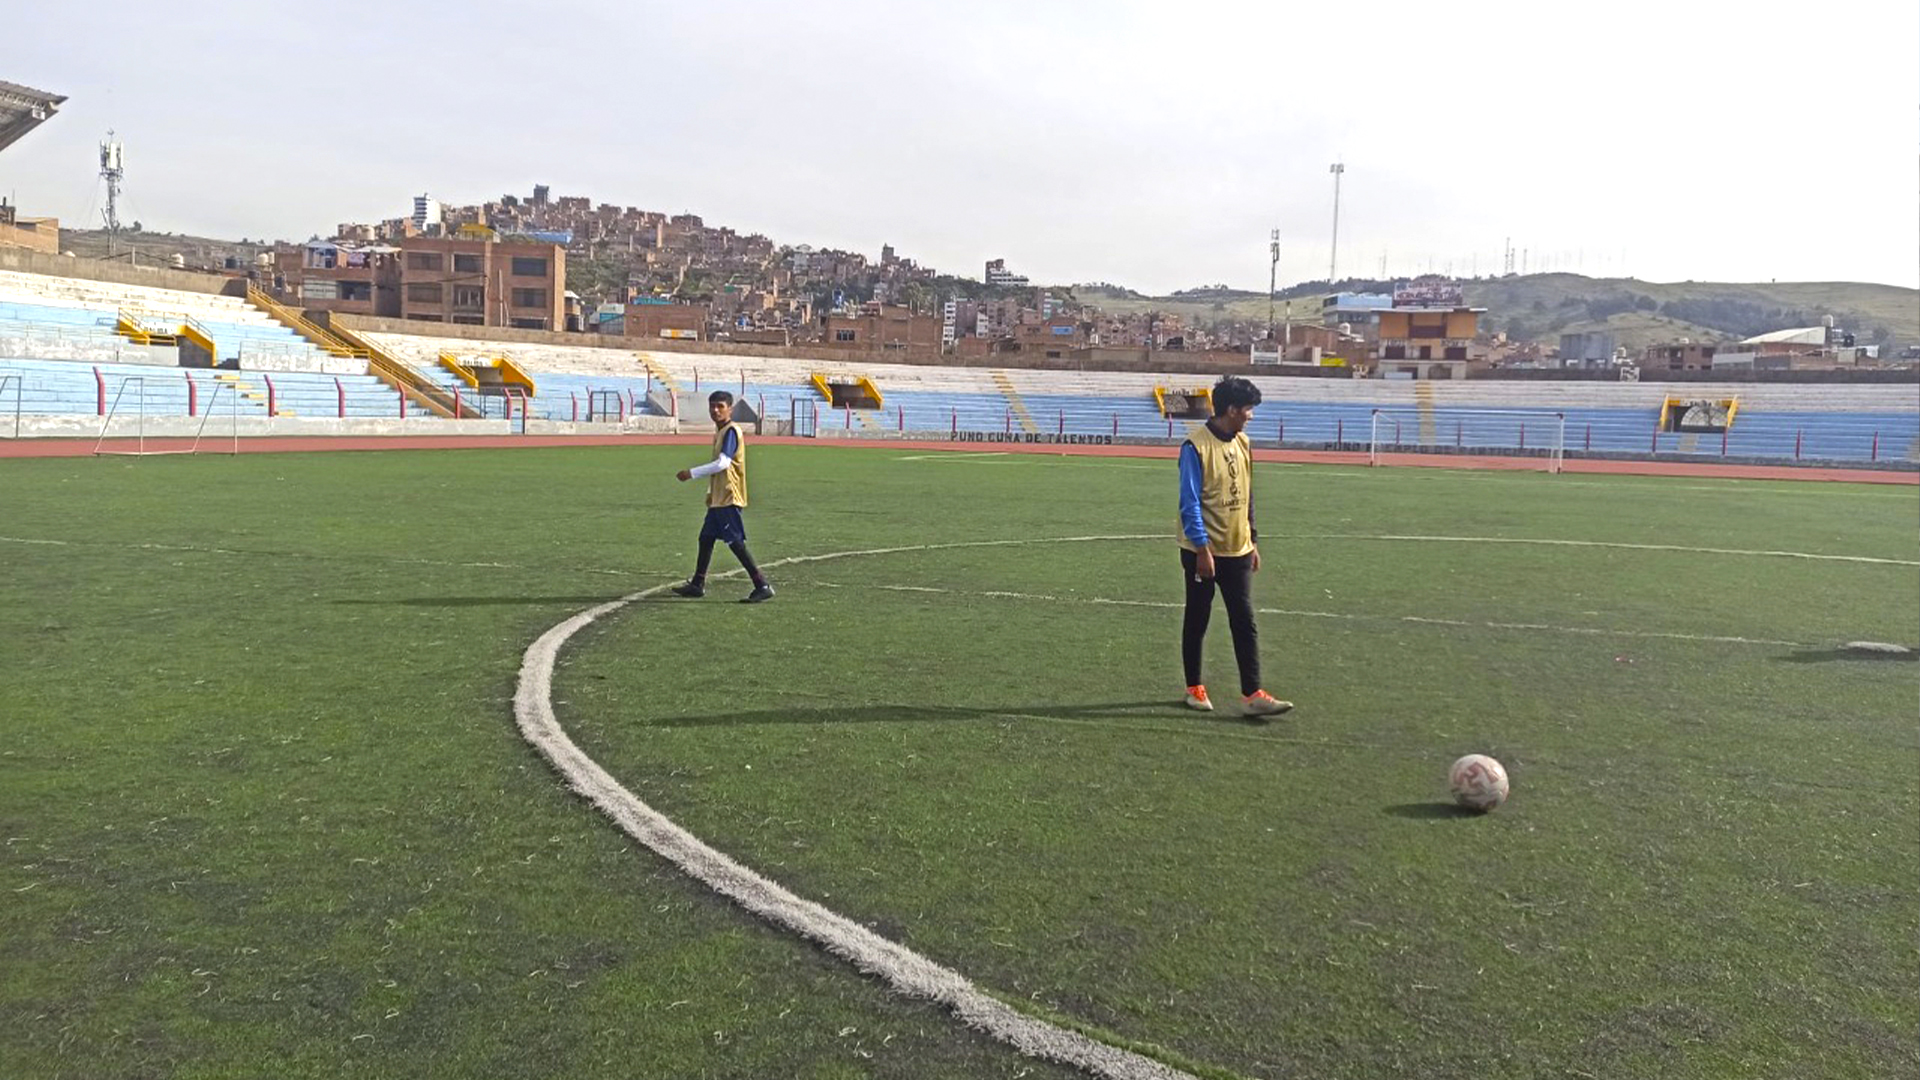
{"x": 917, "y": 296}
{"x": 1739, "y": 318}
{"x": 1602, "y": 308}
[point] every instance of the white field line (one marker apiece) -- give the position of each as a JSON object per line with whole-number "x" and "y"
{"x": 1603, "y": 544}
{"x": 1066, "y": 460}
{"x": 901, "y": 967}
{"x": 1634, "y": 482}
{"x": 904, "y": 969}
{"x": 1621, "y": 481}
{"x": 1003, "y": 543}
{"x": 1594, "y": 631}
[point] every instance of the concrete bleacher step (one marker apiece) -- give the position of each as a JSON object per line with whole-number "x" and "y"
{"x": 1840, "y": 420}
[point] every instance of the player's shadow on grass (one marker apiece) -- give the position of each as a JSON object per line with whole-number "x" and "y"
{"x": 483, "y": 601}
{"x": 888, "y": 713}
{"x": 1828, "y": 656}
{"x": 1432, "y": 811}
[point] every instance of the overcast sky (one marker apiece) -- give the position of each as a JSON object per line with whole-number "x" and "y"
{"x": 1149, "y": 144}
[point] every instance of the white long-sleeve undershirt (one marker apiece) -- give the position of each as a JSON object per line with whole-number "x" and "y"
{"x": 717, "y": 465}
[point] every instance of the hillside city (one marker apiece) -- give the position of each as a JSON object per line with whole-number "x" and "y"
{"x": 651, "y": 274}
{"x": 568, "y": 263}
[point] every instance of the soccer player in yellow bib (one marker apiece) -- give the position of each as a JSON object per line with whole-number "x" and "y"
{"x": 1218, "y": 543}
{"x": 726, "y": 477}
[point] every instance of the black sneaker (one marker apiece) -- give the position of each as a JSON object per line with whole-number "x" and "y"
{"x": 760, "y": 595}
{"x": 689, "y": 590}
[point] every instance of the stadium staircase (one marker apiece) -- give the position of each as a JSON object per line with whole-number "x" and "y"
{"x": 490, "y": 377}
{"x": 143, "y": 329}
{"x": 1015, "y": 403}
{"x": 249, "y": 392}
{"x": 341, "y": 342}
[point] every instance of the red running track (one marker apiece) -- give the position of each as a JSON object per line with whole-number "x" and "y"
{"x": 81, "y": 447}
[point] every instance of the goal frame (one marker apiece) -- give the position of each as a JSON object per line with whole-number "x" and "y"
{"x": 1546, "y": 443}
{"x": 106, "y": 425}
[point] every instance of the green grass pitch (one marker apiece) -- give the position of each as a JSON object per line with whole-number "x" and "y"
{"x": 266, "y": 811}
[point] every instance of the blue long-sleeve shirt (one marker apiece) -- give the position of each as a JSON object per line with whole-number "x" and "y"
{"x": 1192, "y": 522}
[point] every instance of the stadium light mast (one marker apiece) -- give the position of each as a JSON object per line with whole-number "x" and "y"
{"x": 1333, "y": 261}
{"x": 112, "y": 168}
{"x": 1273, "y": 276}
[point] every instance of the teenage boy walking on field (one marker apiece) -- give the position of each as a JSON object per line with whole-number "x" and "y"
{"x": 726, "y": 496}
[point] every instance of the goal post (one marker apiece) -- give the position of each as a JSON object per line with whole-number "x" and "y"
{"x": 140, "y": 404}
{"x": 1536, "y": 439}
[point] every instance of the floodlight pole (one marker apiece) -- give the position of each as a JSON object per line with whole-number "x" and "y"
{"x": 1333, "y": 261}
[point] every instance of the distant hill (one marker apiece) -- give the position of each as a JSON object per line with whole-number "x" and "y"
{"x": 158, "y": 249}
{"x": 1540, "y": 307}
{"x": 1536, "y": 307}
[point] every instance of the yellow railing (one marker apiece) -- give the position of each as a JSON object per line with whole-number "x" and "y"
{"x": 511, "y": 374}
{"x": 1202, "y": 394}
{"x": 194, "y": 332}
{"x": 452, "y": 363}
{"x": 825, "y": 386}
{"x": 1667, "y": 407}
{"x": 340, "y": 341}
{"x": 326, "y": 340}
{"x": 398, "y": 374}
{"x": 129, "y": 327}
{"x": 514, "y": 375}
{"x": 133, "y": 325}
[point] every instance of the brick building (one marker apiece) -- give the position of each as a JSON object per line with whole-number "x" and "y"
{"x": 329, "y": 275}
{"x": 483, "y": 282}
{"x": 1679, "y": 356}
{"x": 653, "y": 319}
{"x": 878, "y": 326}
{"x": 34, "y": 234}
{"x": 1428, "y": 333}
{"x": 429, "y": 279}
{"x": 1426, "y": 343}
{"x": 1052, "y": 337}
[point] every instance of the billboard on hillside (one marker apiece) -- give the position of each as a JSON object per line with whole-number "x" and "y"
{"x": 1429, "y": 294}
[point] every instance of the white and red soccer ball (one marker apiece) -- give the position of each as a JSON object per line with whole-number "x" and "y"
{"x": 1478, "y": 782}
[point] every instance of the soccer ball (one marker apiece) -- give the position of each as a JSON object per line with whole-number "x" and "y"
{"x": 1478, "y": 782}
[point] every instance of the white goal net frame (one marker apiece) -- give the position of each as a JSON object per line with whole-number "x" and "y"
{"x": 140, "y": 401}
{"x": 1523, "y": 435}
